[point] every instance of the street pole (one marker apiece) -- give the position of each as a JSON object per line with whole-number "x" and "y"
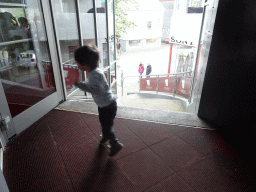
{"x": 170, "y": 59}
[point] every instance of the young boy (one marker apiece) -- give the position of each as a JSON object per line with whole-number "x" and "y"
{"x": 87, "y": 59}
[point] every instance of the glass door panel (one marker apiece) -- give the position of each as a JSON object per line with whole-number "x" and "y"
{"x": 102, "y": 33}
{"x": 25, "y": 64}
{"x": 112, "y": 47}
{"x": 87, "y": 22}
{"x": 65, "y": 21}
{"x": 87, "y": 26}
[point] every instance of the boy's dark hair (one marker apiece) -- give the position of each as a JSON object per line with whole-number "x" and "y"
{"x": 88, "y": 55}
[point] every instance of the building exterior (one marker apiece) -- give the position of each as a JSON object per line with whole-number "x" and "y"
{"x": 147, "y": 31}
{"x": 184, "y": 35}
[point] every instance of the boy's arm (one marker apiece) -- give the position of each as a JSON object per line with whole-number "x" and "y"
{"x": 93, "y": 86}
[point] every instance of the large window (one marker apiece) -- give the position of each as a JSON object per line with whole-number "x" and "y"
{"x": 195, "y": 3}
{"x": 195, "y": 6}
{"x": 25, "y": 63}
{"x": 134, "y": 42}
{"x": 151, "y": 41}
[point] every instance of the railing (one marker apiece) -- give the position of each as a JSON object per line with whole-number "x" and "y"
{"x": 177, "y": 84}
{"x": 112, "y": 73}
{"x": 71, "y": 74}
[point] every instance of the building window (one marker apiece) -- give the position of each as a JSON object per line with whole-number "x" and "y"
{"x": 151, "y": 41}
{"x": 158, "y": 22}
{"x": 195, "y": 6}
{"x": 149, "y": 23}
{"x": 195, "y": 3}
{"x": 134, "y": 42}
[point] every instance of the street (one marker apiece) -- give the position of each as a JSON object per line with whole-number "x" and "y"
{"x": 128, "y": 64}
{"x": 157, "y": 57}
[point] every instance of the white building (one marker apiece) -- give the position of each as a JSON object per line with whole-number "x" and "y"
{"x": 147, "y": 31}
{"x": 184, "y": 34}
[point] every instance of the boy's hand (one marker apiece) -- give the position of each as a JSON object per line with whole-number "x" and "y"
{"x": 76, "y": 83}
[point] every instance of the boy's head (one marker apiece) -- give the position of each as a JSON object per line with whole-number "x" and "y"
{"x": 87, "y": 57}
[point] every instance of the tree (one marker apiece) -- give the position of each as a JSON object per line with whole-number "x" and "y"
{"x": 122, "y": 23}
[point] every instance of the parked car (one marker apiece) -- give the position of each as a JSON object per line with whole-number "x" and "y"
{"x": 27, "y": 59}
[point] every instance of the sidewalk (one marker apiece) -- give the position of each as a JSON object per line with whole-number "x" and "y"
{"x": 157, "y": 57}
{"x": 139, "y": 101}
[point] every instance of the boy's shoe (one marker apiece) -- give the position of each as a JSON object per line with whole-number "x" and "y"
{"x": 115, "y": 149}
{"x": 103, "y": 140}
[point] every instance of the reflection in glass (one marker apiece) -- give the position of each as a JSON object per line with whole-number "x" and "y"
{"x": 25, "y": 64}
{"x": 65, "y": 19}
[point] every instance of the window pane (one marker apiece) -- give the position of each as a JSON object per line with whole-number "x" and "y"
{"x": 12, "y": 1}
{"x": 112, "y": 50}
{"x": 87, "y": 22}
{"x": 25, "y": 64}
{"x": 102, "y": 33}
{"x": 65, "y": 19}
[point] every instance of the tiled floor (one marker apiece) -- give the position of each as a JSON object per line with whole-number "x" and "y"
{"x": 61, "y": 152}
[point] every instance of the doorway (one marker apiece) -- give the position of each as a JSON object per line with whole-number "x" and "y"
{"x": 29, "y": 78}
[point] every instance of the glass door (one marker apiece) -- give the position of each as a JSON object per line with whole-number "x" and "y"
{"x": 106, "y": 39}
{"x": 84, "y": 22}
{"x": 112, "y": 44}
{"x": 68, "y": 40}
{"x": 27, "y": 74}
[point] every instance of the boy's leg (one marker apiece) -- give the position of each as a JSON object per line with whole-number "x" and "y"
{"x": 106, "y": 117}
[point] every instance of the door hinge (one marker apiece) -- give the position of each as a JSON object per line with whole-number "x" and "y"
{"x": 4, "y": 123}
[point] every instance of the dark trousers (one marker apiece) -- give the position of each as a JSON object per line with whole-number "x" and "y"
{"x": 106, "y": 116}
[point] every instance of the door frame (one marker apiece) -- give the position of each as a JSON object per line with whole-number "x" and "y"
{"x": 25, "y": 119}
{"x": 5, "y": 112}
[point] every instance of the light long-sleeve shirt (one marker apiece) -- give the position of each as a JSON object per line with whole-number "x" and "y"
{"x": 97, "y": 85}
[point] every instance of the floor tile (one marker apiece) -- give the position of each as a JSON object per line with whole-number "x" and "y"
{"x": 107, "y": 178}
{"x": 130, "y": 141}
{"x": 32, "y": 162}
{"x": 148, "y": 132}
{"x": 204, "y": 140}
{"x": 70, "y": 130}
{"x": 173, "y": 183}
{"x": 144, "y": 168}
{"x": 92, "y": 121}
{"x": 238, "y": 167}
{"x": 206, "y": 175}
{"x": 78, "y": 146}
{"x": 61, "y": 152}
{"x": 176, "y": 153}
